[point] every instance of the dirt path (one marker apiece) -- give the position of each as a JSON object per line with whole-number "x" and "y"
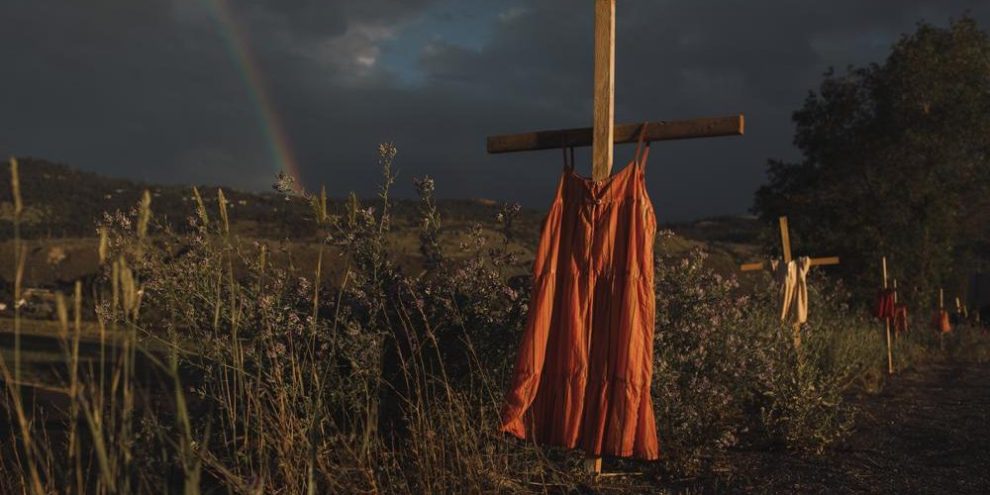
{"x": 927, "y": 432}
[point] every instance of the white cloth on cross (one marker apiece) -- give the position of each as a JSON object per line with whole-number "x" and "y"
{"x": 793, "y": 280}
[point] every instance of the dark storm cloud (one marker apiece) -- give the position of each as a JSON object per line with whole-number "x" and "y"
{"x": 150, "y": 89}
{"x": 321, "y": 18}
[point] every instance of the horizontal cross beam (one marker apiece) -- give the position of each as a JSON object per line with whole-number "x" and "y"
{"x": 831, "y": 260}
{"x": 733, "y": 125}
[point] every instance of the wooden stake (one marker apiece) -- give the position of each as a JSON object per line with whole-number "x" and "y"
{"x": 602, "y": 146}
{"x": 890, "y": 354}
{"x": 604, "y": 123}
{"x": 785, "y": 239}
{"x": 593, "y": 465}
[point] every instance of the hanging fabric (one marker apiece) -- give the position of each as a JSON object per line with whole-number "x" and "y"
{"x": 900, "y": 318}
{"x": 582, "y": 376}
{"x": 884, "y": 307}
{"x": 793, "y": 281}
{"x": 940, "y": 321}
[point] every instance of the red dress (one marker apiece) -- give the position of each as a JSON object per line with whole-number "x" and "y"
{"x": 582, "y": 377}
{"x": 901, "y": 318}
{"x": 884, "y": 307}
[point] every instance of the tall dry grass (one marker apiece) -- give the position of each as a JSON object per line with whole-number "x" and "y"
{"x": 217, "y": 370}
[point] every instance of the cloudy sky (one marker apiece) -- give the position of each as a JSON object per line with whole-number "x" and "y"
{"x": 229, "y": 91}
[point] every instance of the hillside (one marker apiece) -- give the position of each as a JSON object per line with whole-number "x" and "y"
{"x": 61, "y": 201}
{"x": 64, "y": 204}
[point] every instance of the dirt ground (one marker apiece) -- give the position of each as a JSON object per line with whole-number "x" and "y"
{"x": 928, "y": 431}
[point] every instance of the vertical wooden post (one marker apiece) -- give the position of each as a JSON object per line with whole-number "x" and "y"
{"x": 890, "y": 354}
{"x": 785, "y": 239}
{"x": 785, "y": 243}
{"x": 604, "y": 125}
{"x": 941, "y": 307}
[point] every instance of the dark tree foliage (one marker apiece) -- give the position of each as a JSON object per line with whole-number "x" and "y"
{"x": 895, "y": 163}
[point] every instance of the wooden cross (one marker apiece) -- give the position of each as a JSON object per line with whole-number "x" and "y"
{"x": 785, "y": 242}
{"x": 604, "y": 133}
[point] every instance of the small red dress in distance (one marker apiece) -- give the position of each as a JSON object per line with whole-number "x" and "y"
{"x": 900, "y": 319}
{"x": 583, "y": 372}
{"x": 884, "y": 308}
{"x": 940, "y": 321}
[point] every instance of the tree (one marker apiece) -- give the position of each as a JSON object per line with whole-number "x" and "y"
{"x": 896, "y": 163}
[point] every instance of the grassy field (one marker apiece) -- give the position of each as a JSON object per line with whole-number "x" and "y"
{"x": 370, "y": 356}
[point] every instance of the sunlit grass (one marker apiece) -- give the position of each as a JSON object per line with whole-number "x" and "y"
{"x": 221, "y": 364}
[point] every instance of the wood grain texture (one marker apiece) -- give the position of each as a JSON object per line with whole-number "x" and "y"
{"x": 604, "y": 105}
{"x": 785, "y": 239}
{"x": 752, "y": 267}
{"x": 732, "y": 125}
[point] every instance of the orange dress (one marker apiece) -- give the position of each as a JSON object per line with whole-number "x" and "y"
{"x": 582, "y": 376}
{"x": 941, "y": 322}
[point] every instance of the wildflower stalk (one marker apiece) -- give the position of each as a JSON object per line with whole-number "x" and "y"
{"x": 20, "y": 254}
{"x": 14, "y": 381}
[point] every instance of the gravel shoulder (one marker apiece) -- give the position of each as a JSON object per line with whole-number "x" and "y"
{"x": 928, "y": 431}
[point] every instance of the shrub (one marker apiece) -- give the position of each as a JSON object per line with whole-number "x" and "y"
{"x": 225, "y": 366}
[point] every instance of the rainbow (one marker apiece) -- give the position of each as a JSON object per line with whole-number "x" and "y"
{"x": 279, "y": 146}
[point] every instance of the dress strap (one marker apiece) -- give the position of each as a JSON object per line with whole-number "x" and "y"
{"x": 568, "y": 152}
{"x": 642, "y": 151}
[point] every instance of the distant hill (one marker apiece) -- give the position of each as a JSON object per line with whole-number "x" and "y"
{"x": 63, "y": 205}
{"x": 61, "y": 201}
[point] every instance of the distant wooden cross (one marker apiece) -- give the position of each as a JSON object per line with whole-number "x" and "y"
{"x": 785, "y": 242}
{"x": 604, "y": 134}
